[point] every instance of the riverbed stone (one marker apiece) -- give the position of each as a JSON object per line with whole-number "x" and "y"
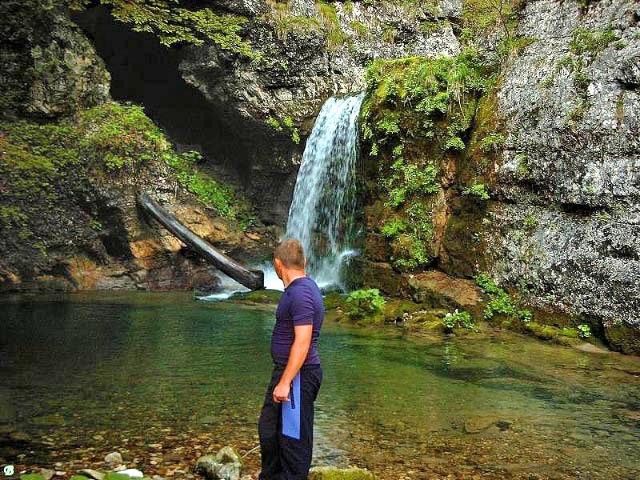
{"x": 113, "y": 459}
{"x": 333, "y": 473}
{"x": 480, "y": 424}
{"x": 95, "y": 474}
{"x": 225, "y": 465}
{"x": 47, "y": 473}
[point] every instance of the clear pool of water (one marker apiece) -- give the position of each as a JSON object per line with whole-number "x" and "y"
{"x": 164, "y": 378}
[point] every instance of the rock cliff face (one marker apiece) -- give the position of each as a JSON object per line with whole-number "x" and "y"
{"x": 68, "y": 215}
{"x": 47, "y": 66}
{"x": 571, "y": 164}
{"x": 252, "y": 116}
{"x": 555, "y": 148}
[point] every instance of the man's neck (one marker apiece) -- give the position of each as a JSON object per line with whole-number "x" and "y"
{"x": 290, "y": 276}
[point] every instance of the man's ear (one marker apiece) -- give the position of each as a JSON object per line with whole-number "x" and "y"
{"x": 305, "y": 263}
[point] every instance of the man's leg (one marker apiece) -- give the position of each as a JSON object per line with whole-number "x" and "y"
{"x": 296, "y": 454}
{"x": 268, "y": 427}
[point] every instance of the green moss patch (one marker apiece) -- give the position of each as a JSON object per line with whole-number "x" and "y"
{"x": 416, "y": 115}
{"x": 104, "y": 141}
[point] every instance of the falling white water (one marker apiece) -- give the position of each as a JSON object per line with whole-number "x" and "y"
{"x": 323, "y": 203}
{"x": 321, "y": 212}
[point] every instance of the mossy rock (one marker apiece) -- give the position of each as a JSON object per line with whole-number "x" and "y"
{"x": 381, "y": 275}
{"x": 334, "y": 300}
{"x": 31, "y": 476}
{"x": 394, "y": 309}
{"x": 623, "y": 338}
{"x": 569, "y": 332}
{"x": 332, "y": 473}
{"x": 258, "y": 296}
{"x": 116, "y": 476}
{"x": 79, "y": 477}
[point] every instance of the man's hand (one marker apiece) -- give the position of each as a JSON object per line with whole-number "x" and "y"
{"x": 301, "y": 342}
{"x": 281, "y": 392}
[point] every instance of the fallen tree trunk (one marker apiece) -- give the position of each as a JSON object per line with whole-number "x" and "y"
{"x": 253, "y": 279}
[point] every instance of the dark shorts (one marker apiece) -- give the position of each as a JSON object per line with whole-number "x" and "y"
{"x": 285, "y": 457}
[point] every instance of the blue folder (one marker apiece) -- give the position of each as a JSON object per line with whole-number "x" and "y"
{"x": 291, "y": 411}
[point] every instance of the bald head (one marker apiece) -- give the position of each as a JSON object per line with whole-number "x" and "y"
{"x": 291, "y": 253}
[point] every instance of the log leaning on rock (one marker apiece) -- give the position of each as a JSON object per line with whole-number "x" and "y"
{"x": 252, "y": 279}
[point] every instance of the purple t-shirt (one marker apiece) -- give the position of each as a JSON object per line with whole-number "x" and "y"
{"x": 300, "y": 304}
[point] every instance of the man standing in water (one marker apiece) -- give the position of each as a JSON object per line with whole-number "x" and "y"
{"x": 286, "y": 420}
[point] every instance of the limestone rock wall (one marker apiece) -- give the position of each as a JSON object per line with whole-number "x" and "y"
{"x": 571, "y": 166}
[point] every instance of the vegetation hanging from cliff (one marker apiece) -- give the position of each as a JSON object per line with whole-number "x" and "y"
{"x": 111, "y": 140}
{"x": 417, "y": 111}
{"x": 173, "y": 23}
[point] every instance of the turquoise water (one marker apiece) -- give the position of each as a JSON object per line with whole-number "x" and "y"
{"x": 163, "y": 378}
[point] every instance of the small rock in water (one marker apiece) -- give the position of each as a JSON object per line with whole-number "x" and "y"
{"x": 46, "y": 473}
{"x": 332, "y": 473}
{"x": 114, "y": 459}
{"x": 479, "y": 424}
{"x": 226, "y": 465}
{"x": 92, "y": 473}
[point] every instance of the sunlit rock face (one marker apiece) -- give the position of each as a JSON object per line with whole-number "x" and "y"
{"x": 572, "y": 162}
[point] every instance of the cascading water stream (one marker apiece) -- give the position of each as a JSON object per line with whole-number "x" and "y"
{"x": 323, "y": 205}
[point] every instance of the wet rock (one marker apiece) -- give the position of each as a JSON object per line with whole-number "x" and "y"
{"x": 48, "y": 67}
{"x": 46, "y": 473}
{"x": 482, "y": 423}
{"x": 623, "y": 337}
{"x": 333, "y": 473}
{"x": 225, "y": 465}
{"x": 95, "y": 474}
{"x": 438, "y": 289}
{"x": 569, "y": 168}
{"x": 113, "y": 459}
{"x": 381, "y": 275}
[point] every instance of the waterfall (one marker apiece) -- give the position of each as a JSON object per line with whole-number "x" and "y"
{"x": 321, "y": 212}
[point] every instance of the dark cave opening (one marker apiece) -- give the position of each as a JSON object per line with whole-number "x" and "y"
{"x": 236, "y": 149}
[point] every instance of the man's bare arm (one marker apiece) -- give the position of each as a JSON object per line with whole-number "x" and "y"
{"x": 297, "y": 356}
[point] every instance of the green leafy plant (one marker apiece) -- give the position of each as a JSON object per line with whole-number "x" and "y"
{"x": 394, "y": 227}
{"x": 584, "y": 330}
{"x": 499, "y": 301}
{"x": 458, "y": 319}
{"x": 477, "y": 190}
{"x": 286, "y": 123}
{"x": 176, "y": 21}
{"x": 492, "y": 142}
{"x": 530, "y": 222}
{"x": 362, "y": 303}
